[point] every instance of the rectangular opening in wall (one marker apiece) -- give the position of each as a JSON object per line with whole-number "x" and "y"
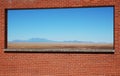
{"x": 61, "y": 29}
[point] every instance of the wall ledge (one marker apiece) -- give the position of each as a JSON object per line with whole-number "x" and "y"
{"x": 60, "y": 50}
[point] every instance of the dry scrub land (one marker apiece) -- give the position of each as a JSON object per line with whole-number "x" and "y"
{"x": 40, "y": 45}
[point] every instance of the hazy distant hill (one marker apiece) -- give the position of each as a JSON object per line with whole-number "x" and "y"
{"x": 47, "y": 40}
{"x": 33, "y": 40}
{"x": 76, "y": 41}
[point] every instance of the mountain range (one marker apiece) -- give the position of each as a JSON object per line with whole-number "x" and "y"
{"x": 47, "y": 40}
{"x": 33, "y": 40}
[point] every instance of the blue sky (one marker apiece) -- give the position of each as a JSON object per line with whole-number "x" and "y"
{"x": 83, "y": 24}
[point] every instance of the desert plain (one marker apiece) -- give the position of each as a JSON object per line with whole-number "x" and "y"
{"x": 56, "y": 45}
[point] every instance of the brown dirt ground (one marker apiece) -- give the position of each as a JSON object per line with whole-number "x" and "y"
{"x": 60, "y": 45}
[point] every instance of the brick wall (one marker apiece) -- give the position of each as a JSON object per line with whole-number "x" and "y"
{"x": 59, "y": 64}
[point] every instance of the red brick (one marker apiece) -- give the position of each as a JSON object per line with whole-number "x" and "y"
{"x": 56, "y": 64}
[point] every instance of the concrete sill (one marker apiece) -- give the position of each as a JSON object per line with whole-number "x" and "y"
{"x": 57, "y": 51}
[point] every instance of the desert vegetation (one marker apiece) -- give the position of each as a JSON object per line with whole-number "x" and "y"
{"x": 62, "y": 45}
